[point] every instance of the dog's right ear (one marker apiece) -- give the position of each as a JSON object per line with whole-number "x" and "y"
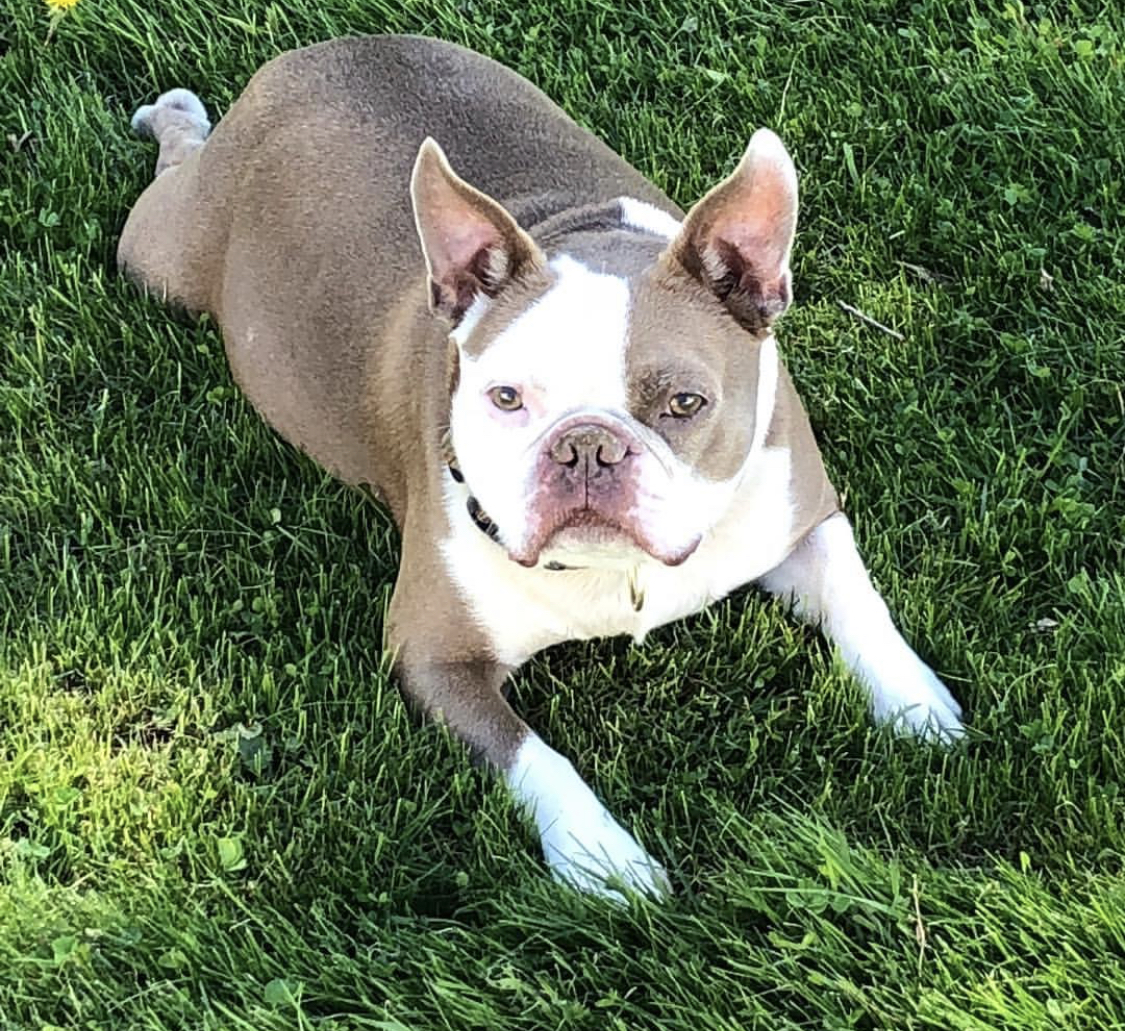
{"x": 471, "y": 244}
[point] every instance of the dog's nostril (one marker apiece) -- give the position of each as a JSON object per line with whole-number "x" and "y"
{"x": 611, "y": 453}
{"x": 565, "y": 453}
{"x": 590, "y": 447}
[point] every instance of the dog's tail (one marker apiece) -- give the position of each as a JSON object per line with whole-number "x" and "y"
{"x": 178, "y": 122}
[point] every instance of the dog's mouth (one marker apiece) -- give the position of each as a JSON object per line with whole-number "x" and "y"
{"x": 588, "y": 531}
{"x": 586, "y": 520}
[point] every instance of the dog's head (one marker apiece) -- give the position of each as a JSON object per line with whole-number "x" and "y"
{"x": 610, "y": 382}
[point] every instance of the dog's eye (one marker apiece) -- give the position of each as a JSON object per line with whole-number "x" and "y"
{"x": 684, "y": 406}
{"x": 507, "y": 399}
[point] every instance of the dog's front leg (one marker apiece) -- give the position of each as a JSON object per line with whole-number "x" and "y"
{"x": 582, "y": 843}
{"x": 827, "y": 582}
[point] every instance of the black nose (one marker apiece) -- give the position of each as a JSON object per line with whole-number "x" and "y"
{"x": 588, "y": 447}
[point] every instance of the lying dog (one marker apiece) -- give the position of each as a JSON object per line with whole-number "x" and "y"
{"x": 568, "y": 393}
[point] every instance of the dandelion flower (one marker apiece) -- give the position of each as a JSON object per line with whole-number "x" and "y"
{"x": 57, "y": 10}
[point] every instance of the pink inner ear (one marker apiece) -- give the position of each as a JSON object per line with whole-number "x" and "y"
{"x": 464, "y": 238}
{"x": 757, "y": 220}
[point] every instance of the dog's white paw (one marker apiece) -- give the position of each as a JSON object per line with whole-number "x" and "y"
{"x": 182, "y": 100}
{"x": 828, "y": 584}
{"x": 593, "y": 852}
{"x": 582, "y": 843}
{"x": 907, "y": 694}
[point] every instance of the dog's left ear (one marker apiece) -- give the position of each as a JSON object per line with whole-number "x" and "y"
{"x": 471, "y": 244}
{"x": 737, "y": 239}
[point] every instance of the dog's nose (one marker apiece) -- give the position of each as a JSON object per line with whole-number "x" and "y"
{"x": 588, "y": 448}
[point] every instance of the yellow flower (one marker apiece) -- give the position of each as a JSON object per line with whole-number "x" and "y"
{"x": 59, "y": 6}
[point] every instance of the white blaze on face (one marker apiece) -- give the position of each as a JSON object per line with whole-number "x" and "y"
{"x": 566, "y": 352}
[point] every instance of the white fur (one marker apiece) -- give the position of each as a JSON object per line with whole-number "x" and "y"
{"x": 526, "y": 610}
{"x": 568, "y": 350}
{"x": 582, "y": 843}
{"x": 715, "y": 267}
{"x": 567, "y": 354}
{"x": 639, "y": 214}
{"x": 571, "y": 341}
{"x": 828, "y": 583}
{"x": 473, "y": 314}
{"x": 767, "y": 392}
{"x": 179, "y": 99}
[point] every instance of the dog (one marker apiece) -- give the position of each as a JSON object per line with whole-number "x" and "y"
{"x": 566, "y": 390}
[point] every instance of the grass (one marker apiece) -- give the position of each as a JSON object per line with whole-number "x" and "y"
{"x": 215, "y": 811}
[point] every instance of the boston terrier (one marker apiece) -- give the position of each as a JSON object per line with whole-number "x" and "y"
{"x": 567, "y": 392}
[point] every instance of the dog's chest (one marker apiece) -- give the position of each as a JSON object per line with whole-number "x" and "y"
{"x": 526, "y": 610}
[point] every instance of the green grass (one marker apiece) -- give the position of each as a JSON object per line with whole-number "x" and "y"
{"x": 215, "y": 811}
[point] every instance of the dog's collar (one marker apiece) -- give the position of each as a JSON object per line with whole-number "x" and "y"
{"x": 476, "y": 513}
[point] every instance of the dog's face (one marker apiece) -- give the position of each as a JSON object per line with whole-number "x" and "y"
{"x": 608, "y": 398}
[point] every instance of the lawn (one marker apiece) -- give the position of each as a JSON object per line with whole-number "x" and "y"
{"x": 215, "y": 810}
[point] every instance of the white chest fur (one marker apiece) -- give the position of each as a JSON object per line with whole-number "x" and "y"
{"x": 526, "y": 610}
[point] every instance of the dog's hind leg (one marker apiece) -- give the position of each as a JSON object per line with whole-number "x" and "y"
{"x": 163, "y": 244}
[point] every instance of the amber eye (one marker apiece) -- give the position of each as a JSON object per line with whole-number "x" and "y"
{"x": 684, "y": 406}
{"x": 507, "y": 399}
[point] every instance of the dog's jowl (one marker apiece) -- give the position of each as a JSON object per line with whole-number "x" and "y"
{"x": 567, "y": 391}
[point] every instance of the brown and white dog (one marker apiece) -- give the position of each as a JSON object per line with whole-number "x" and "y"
{"x": 567, "y": 392}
